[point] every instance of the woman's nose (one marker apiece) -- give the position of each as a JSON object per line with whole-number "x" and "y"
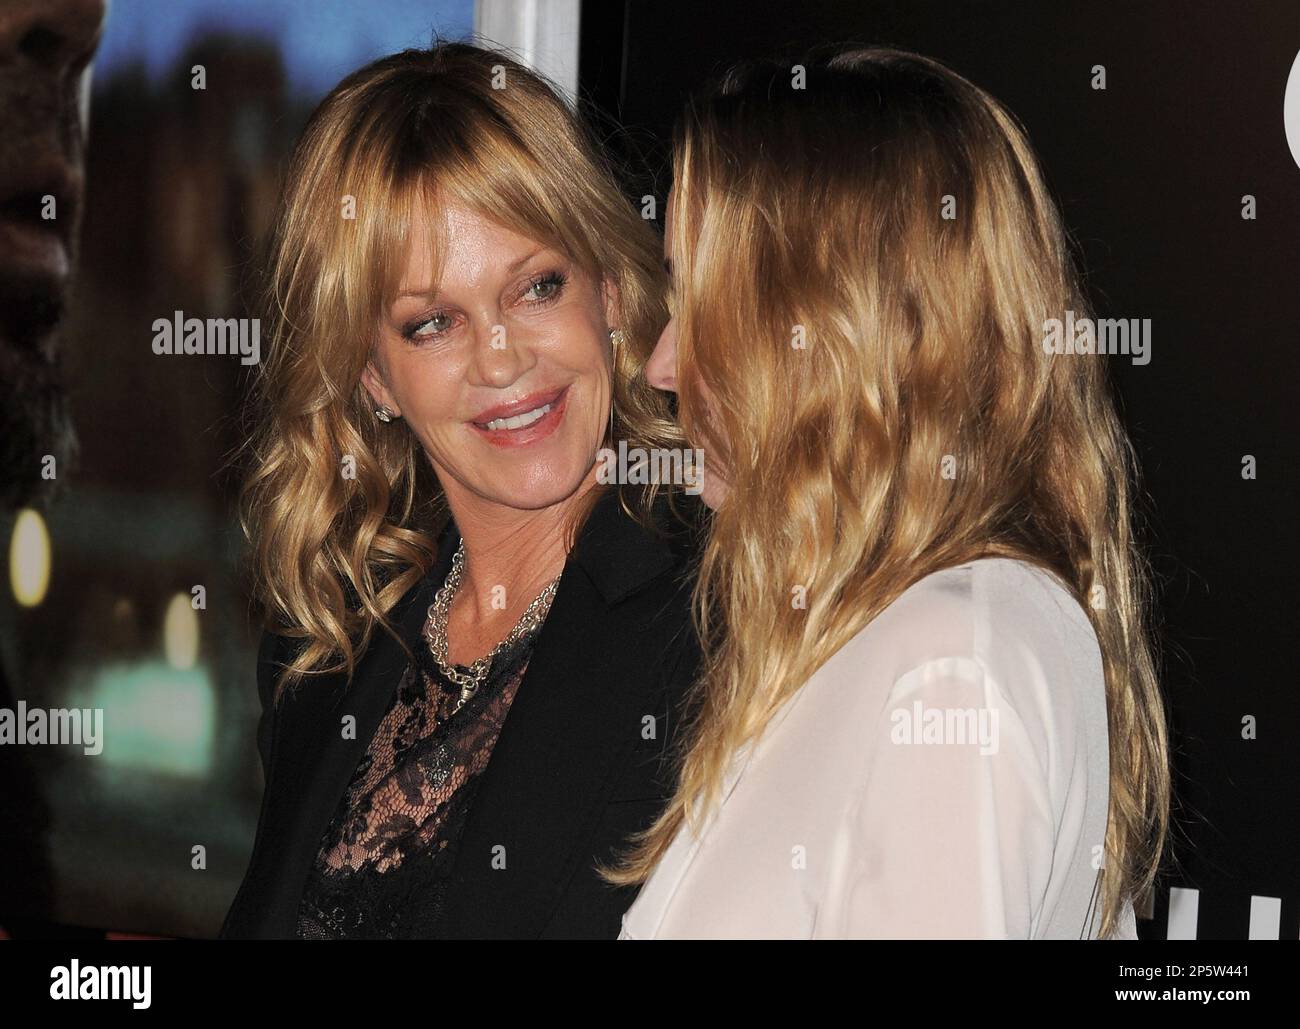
{"x": 661, "y": 369}
{"x": 501, "y": 358}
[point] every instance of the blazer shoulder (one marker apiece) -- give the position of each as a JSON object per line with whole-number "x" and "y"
{"x": 269, "y": 662}
{"x": 678, "y": 526}
{"x": 681, "y": 519}
{"x": 272, "y": 653}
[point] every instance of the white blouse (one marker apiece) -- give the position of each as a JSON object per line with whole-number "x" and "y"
{"x": 945, "y": 774}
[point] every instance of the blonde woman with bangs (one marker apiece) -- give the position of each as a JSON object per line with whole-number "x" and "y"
{"x": 475, "y": 643}
{"x": 928, "y": 706}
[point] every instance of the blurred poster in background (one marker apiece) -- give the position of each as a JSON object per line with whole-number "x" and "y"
{"x": 124, "y": 594}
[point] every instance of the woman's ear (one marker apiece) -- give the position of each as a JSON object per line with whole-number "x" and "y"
{"x": 613, "y": 311}
{"x": 374, "y": 384}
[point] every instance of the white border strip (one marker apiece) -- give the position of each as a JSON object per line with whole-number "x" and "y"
{"x": 544, "y": 33}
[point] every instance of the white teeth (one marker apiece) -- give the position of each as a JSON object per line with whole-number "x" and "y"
{"x": 520, "y": 420}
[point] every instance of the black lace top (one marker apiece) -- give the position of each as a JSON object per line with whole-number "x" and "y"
{"x": 382, "y": 871}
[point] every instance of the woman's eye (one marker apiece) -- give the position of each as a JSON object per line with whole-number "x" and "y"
{"x": 440, "y": 323}
{"x": 547, "y": 287}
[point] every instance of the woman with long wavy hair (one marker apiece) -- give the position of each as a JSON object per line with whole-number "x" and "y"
{"x": 929, "y": 705}
{"x": 460, "y": 303}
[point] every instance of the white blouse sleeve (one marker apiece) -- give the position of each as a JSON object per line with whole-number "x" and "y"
{"x": 952, "y": 833}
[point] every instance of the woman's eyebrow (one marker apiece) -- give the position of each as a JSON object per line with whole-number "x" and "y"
{"x": 513, "y": 267}
{"x": 516, "y": 265}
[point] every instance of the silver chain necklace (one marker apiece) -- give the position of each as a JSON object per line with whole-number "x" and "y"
{"x": 435, "y": 629}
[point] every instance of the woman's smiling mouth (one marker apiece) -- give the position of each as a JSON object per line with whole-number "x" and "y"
{"x": 519, "y": 420}
{"x": 525, "y": 421}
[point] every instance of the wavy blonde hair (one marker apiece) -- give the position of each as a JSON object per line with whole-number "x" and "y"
{"x": 821, "y": 208}
{"x": 331, "y": 554}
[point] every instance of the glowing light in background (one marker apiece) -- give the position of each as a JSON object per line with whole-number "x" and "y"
{"x": 181, "y": 633}
{"x": 156, "y": 718}
{"x": 29, "y": 558}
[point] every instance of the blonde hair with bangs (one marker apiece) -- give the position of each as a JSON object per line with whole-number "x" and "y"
{"x": 331, "y": 555}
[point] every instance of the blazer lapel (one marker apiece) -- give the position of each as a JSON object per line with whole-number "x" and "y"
{"x": 575, "y": 717}
{"x": 574, "y": 720}
{"x": 324, "y": 756}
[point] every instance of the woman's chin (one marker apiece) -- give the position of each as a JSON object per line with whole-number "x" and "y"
{"x": 546, "y": 487}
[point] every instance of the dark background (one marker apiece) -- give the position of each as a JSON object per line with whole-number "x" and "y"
{"x": 1150, "y": 174}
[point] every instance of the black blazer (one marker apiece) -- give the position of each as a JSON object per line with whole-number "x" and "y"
{"x": 571, "y": 774}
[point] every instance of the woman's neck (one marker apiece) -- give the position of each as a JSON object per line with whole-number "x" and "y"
{"x": 510, "y": 557}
